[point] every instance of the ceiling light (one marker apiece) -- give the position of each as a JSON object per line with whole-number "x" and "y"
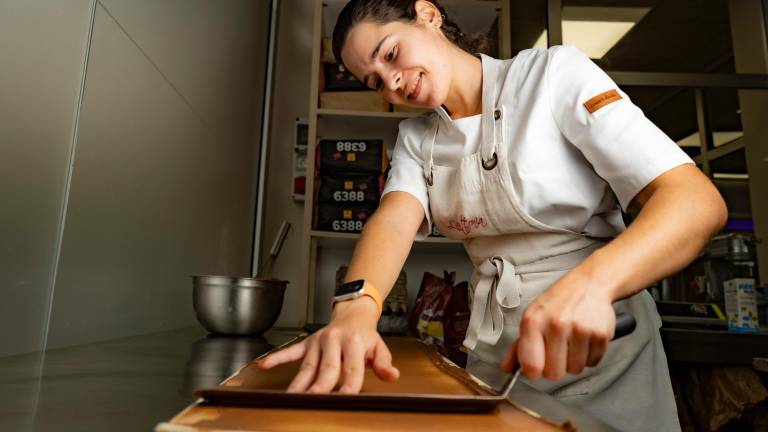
{"x": 595, "y": 30}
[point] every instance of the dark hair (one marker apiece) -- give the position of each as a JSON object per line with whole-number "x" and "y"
{"x": 386, "y": 11}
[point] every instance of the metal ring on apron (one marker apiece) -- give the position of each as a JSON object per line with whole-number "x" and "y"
{"x": 490, "y": 164}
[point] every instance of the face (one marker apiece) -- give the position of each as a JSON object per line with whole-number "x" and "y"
{"x": 406, "y": 62}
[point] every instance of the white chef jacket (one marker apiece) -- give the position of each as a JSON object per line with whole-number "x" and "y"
{"x": 571, "y": 168}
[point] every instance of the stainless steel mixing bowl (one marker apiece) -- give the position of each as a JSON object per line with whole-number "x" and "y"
{"x": 237, "y": 306}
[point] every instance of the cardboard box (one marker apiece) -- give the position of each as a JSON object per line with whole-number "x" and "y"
{"x": 327, "y": 52}
{"x": 741, "y": 305}
{"x": 354, "y": 100}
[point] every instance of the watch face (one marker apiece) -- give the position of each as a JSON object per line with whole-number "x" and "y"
{"x": 349, "y": 287}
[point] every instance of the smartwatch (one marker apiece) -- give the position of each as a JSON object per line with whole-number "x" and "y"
{"x": 356, "y": 289}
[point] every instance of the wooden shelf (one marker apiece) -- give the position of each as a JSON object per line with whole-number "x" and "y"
{"x": 376, "y": 114}
{"x": 355, "y": 236}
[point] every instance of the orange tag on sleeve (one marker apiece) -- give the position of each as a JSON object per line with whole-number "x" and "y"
{"x": 602, "y": 100}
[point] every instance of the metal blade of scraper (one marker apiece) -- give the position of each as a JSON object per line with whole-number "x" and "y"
{"x": 541, "y": 405}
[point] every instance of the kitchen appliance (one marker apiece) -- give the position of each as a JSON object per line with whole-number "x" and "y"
{"x": 245, "y": 306}
{"x": 726, "y": 256}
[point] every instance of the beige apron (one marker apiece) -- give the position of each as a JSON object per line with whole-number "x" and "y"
{"x": 517, "y": 257}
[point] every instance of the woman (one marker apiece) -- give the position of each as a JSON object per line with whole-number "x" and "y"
{"x": 527, "y": 161}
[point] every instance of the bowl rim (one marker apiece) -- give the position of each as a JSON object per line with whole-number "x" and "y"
{"x": 240, "y": 281}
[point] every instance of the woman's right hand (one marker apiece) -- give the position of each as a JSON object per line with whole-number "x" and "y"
{"x": 339, "y": 352}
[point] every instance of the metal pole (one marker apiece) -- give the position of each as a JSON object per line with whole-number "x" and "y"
{"x": 264, "y": 144}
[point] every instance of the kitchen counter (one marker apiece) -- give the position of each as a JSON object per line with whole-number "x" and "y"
{"x": 692, "y": 345}
{"x": 127, "y": 384}
{"x": 136, "y": 383}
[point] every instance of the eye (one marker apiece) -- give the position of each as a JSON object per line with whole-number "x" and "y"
{"x": 377, "y": 84}
{"x": 391, "y": 54}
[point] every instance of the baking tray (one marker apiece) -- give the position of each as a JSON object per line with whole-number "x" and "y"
{"x": 428, "y": 382}
{"x": 362, "y": 401}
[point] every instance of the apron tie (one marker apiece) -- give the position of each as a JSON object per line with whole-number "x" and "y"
{"x": 497, "y": 288}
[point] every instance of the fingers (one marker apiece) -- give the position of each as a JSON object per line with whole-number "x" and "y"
{"x": 530, "y": 351}
{"x": 330, "y": 364}
{"x": 382, "y": 363}
{"x": 578, "y": 350}
{"x": 307, "y": 370}
{"x": 556, "y": 349}
{"x": 597, "y": 348}
{"x": 353, "y": 369}
{"x": 286, "y": 355}
{"x": 334, "y": 356}
{"x": 510, "y": 360}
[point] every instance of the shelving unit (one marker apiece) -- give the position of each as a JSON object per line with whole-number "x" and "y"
{"x": 373, "y": 114}
{"x": 355, "y": 236}
{"x": 324, "y": 251}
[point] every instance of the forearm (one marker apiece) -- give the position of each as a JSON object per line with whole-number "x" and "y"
{"x": 385, "y": 243}
{"x": 380, "y": 253}
{"x": 674, "y": 225}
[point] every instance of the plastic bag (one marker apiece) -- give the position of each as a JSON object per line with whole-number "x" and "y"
{"x": 440, "y": 315}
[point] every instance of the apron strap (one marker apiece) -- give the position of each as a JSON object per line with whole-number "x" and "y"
{"x": 498, "y": 287}
{"x": 492, "y": 115}
{"x": 426, "y": 151}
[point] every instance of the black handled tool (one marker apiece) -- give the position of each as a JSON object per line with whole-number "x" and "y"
{"x": 625, "y": 324}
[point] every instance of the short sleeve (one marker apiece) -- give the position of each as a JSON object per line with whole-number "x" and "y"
{"x": 406, "y": 173}
{"x": 624, "y": 147}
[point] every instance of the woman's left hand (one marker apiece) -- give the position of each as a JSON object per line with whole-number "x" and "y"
{"x": 567, "y": 328}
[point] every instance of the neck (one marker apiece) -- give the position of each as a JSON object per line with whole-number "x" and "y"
{"x": 465, "y": 96}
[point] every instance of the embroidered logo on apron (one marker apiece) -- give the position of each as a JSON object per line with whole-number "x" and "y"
{"x": 466, "y": 226}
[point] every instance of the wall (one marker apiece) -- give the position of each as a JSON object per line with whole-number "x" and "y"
{"x": 42, "y": 47}
{"x": 290, "y": 93}
{"x": 164, "y": 179}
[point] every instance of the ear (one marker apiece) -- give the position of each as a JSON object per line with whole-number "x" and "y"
{"x": 428, "y": 14}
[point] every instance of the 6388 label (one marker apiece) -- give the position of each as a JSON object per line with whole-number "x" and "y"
{"x": 347, "y": 225}
{"x": 351, "y": 146}
{"x": 347, "y": 196}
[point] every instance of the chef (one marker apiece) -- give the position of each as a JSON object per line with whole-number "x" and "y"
{"x": 529, "y": 162}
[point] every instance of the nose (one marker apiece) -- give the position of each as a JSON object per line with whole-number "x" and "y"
{"x": 394, "y": 81}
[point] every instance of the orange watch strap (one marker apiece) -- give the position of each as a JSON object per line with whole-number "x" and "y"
{"x": 373, "y": 293}
{"x": 370, "y": 291}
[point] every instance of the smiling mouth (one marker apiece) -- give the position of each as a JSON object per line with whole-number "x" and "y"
{"x": 415, "y": 88}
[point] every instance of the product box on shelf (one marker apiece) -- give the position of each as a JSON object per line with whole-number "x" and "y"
{"x": 435, "y": 232}
{"x": 350, "y": 188}
{"x": 351, "y": 156}
{"x": 326, "y": 55}
{"x": 347, "y": 218}
{"x": 741, "y": 305}
{"x": 337, "y": 78}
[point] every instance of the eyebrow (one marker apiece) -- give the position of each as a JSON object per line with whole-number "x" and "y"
{"x": 375, "y": 53}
